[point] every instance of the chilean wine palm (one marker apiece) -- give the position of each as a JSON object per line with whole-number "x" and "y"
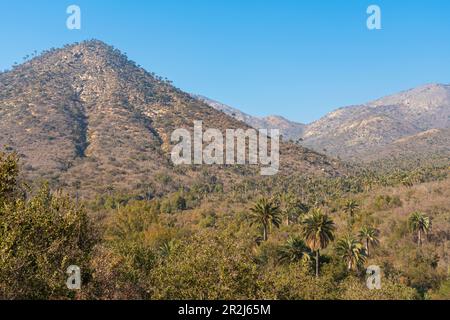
{"x": 351, "y": 251}
{"x": 419, "y": 223}
{"x": 290, "y": 207}
{"x": 286, "y": 201}
{"x": 350, "y": 207}
{"x": 295, "y": 250}
{"x": 318, "y": 232}
{"x": 266, "y": 214}
{"x": 369, "y": 236}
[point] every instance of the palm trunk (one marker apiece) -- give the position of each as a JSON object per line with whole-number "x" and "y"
{"x": 420, "y": 239}
{"x": 367, "y": 247}
{"x": 265, "y": 237}
{"x": 317, "y": 263}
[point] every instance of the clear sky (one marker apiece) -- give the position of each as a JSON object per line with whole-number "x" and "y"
{"x": 297, "y": 58}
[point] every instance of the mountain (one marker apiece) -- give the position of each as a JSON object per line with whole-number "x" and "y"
{"x": 428, "y": 145}
{"x": 86, "y": 117}
{"x": 409, "y": 124}
{"x": 289, "y": 129}
{"x": 361, "y": 132}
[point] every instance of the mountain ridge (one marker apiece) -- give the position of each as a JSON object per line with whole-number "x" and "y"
{"x": 86, "y": 113}
{"x": 355, "y": 132}
{"x": 288, "y": 128}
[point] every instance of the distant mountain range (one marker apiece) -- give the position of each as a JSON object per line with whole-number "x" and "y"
{"x": 413, "y": 123}
{"x": 84, "y": 116}
{"x": 288, "y": 129}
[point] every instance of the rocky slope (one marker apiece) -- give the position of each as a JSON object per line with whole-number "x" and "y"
{"x": 289, "y": 129}
{"x": 429, "y": 145}
{"x": 379, "y": 129}
{"x": 84, "y": 116}
{"x": 359, "y": 131}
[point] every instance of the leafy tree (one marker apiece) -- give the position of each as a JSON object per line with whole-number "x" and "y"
{"x": 318, "y": 232}
{"x": 134, "y": 241}
{"x": 266, "y": 214}
{"x": 351, "y": 251}
{"x": 369, "y": 236}
{"x": 295, "y": 282}
{"x": 352, "y": 288}
{"x": 9, "y": 172}
{"x": 39, "y": 239}
{"x": 419, "y": 223}
{"x": 206, "y": 266}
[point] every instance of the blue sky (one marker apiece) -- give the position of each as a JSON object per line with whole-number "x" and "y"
{"x": 297, "y": 58}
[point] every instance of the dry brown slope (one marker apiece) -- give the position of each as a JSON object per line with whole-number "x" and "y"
{"x": 86, "y": 115}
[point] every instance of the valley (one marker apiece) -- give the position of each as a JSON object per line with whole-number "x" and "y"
{"x": 87, "y": 179}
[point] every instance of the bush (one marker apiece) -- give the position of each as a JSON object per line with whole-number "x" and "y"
{"x": 355, "y": 289}
{"x": 39, "y": 240}
{"x": 295, "y": 282}
{"x": 9, "y": 172}
{"x": 385, "y": 202}
{"x": 207, "y": 266}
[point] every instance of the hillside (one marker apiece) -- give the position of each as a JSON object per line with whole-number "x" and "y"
{"x": 362, "y": 131}
{"x": 89, "y": 120}
{"x": 382, "y": 129}
{"x": 431, "y": 146}
{"x": 85, "y": 113}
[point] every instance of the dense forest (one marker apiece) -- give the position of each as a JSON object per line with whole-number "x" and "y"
{"x": 273, "y": 238}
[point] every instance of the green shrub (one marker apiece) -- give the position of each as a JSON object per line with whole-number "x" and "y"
{"x": 385, "y": 202}
{"x": 39, "y": 240}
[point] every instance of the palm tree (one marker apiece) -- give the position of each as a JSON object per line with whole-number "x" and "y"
{"x": 419, "y": 223}
{"x": 318, "y": 232}
{"x": 351, "y": 251}
{"x": 266, "y": 213}
{"x": 369, "y": 236}
{"x": 350, "y": 207}
{"x": 291, "y": 208}
{"x": 286, "y": 201}
{"x": 295, "y": 250}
